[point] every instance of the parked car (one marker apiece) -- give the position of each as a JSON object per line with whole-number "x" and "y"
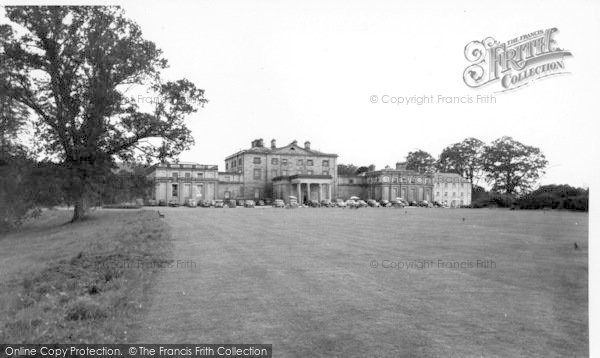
{"x": 412, "y": 203}
{"x": 230, "y": 203}
{"x": 423, "y": 203}
{"x": 173, "y": 203}
{"x": 240, "y": 202}
{"x": 351, "y": 203}
{"x": 249, "y": 204}
{"x": 397, "y": 203}
{"x": 326, "y": 203}
{"x": 278, "y": 203}
{"x": 385, "y": 203}
{"x": 204, "y": 203}
{"x": 373, "y": 203}
{"x": 260, "y": 203}
{"x": 340, "y": 203}
{"x": 361, "y": 204}
{"x": 437, "y": 204}
{"x": 219, "y": 204}
{"x": 152, "y": 202}
{"x": 314, "y": 203}
{"x": 162, "y": 202}
{"x": 191, "y": 203}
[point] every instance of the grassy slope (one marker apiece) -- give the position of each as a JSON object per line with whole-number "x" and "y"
{"x": 80, "y": 282}
{"x": 301, "y": 279}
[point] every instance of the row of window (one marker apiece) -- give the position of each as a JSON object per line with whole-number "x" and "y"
{"x": 188, "y": 175}
{"x": 446, "y": 193}
{"x": 284, "y": 161}
{"x": 275, "y": 173}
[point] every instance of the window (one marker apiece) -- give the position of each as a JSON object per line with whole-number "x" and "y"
{"x": 445, "y": 193}
{"x": 274, "y": 173}
{"x": 200, "y": 175}
{"x": 300, "y": 162}
{"x": 283, "y": 161}
{"x": 227, "y": 195}
{"x": 188, "y": 175}
{"x": 437, "y": 193}
{"x": 351, "y": 181}
{"x": 233, "y": 164}
{"x": 325, "y": 172}
{"x": 326, "y": 163}
{"x": 445, "y": 185}
{"x": 462, "y": 194}
{"x": 226, "y": 178}
{"x": 310, "y": 172}
{"x": 453, "y": 193}
{"x": 309, "y": 162}
{"x": 257, "y": 173}
{"x": 256, "y": 194}
{"x": 256, "y": 160}
{"x": 175, "y": 175}
{"x": 274, "y": 161}
{"x": 240, "y": 161}
{"x": 174, "y": 190}
{"x": 226, "y": 166}
{"x": 199, "y": 190}
{"x": 394, "y": 180}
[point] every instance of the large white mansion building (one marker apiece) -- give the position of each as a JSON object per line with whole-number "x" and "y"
{"x": 273, "y": 172}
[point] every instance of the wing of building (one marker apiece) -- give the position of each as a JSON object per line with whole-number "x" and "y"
{"x": 272, "y": 172}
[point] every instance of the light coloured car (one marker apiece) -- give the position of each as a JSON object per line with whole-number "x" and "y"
{"x": 278, "y": 203}
{"x": 249, "y": 204}
{"x": 340, "y": 203}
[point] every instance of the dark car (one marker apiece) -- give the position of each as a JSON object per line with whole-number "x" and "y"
{"x": 361, "y": 204}
{"x": 173, "y": 203}
{"x": 230, "y": 203}
{"x": 204, "y": 203}
{"x": 412, "y": 203}
{"x": 373, "y": 203}
{"x": 385, "y": 204}
{"x": 326, "y": 203}
{"x": 314, "y": 203}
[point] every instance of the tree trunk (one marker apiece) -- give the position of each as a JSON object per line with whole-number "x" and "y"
{"x": 81, "y": 209}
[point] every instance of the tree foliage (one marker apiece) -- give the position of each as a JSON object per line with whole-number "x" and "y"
{"x": 70, "y": 68}
{"x": 464, "y": 158}
{"x": 421, "y": 161}
{"x": 511, "y": 166}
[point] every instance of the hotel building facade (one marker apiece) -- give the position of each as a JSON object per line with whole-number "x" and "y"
{"x": 272, "y": 172}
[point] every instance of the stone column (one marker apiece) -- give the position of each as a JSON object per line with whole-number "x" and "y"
{"x": 299, "y": 193}
{"x": 329, "y": 191}
{"x": 307, "y": 191}
{"x": 320, "y": 192}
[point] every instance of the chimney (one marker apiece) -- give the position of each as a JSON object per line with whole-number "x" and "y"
{"x": 295, "y": 142}
{"x": 253, "y": 143}
{"x": 273, "y": 144}
{"x": 307, "y": 145}
{"x": 259, "y": 143}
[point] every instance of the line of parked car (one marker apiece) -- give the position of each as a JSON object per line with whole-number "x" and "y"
{"x": 353, "y": 203}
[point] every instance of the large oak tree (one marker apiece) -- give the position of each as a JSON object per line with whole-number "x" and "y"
{"x": 69, "y": 66}
{"x": 511, "y": 166}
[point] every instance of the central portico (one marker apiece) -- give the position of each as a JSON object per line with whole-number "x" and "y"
{"x": 303, "y": 186}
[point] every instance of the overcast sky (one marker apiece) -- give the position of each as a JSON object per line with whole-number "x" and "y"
{"x": 307, "y": 70}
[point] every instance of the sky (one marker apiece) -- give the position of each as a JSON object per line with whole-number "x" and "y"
{"x": 308, "y": 70}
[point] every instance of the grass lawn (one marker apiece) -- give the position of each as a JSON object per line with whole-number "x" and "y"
{"x": 79, "y": 283}
{"x": 303, "y": 280}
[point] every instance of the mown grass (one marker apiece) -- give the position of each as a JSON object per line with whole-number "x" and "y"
{"x": 80, "y": 283}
